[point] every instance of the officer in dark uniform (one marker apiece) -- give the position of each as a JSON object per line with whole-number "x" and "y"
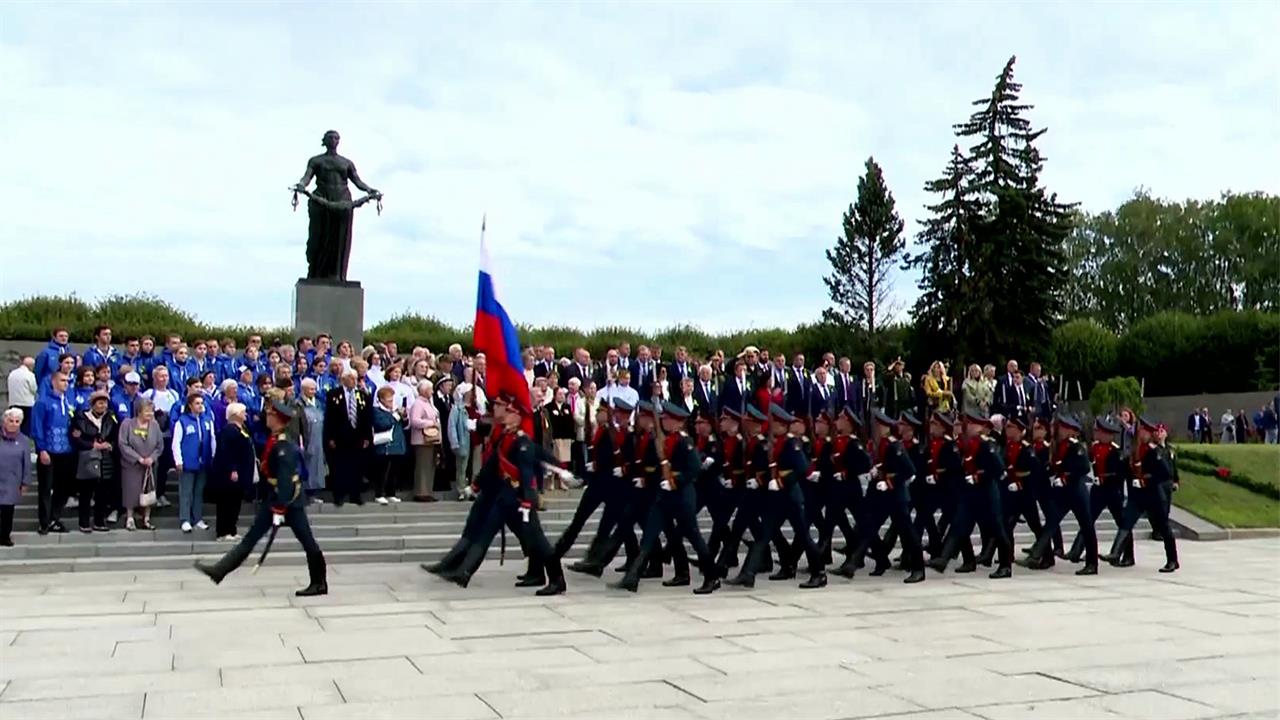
{"x": 514, "y": 504}
{"x": 981, "y": 472}
{"x": 1110, "y": 473}
{"x": 1021, "y": 465}
{"x": 887, "y": 497}
{"x": 673, "y": 510}
{"x": 819, "y": 485}
{"x": 910, "y": 430}
{"x": 637, "y": 490}
{"x": 931, "y": 495}
{"x": 713, "y": 493}
{"x": 612, "y": 458}
{"x": 1154, "y": 479}
{"x": 599, "y": 475}
{"x": 1042, "y": 443}
{"x": 282, "y": 502}
{"x": 784, "y": 502}
{"x": 852, "y": 473}
{"x": 753, "y": 463}
{"x": 1068, "y": 480}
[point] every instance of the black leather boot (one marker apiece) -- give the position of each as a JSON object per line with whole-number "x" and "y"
{"x": 784, "y": 573}
{"x": 915, "y": 577}
{"x": 742, "y": 579}
{"x": 1170, "y": 566}
{"x": 709, "y": 585}
{"x": 450, "y": 559}
{"x": 461, "y": 575}
{"x": 227, "y": 563}
{"x": 319, "y": 580}
{"x": 1001, "y": 573}
{"x": 1088, "y": 570}
{"x": 816, "y": 580}
{"x": 1077, "y": 549}
{"x": 677, "y": 581}
{"x": 555, "y": 587}
{"x": 988, "y": 552}
{"x": 1119, "y": 546}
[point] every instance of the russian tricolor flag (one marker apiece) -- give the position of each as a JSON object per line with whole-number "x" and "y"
{"x": 495, "y": 336}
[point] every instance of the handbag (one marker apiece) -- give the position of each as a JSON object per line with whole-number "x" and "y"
{"x": 148, "y": 496}
{"x": 383, "y": 438}
{"x": 89, "y": 465}
{"x": 431, "y": 434}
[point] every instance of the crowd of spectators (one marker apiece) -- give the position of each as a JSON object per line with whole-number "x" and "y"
{"x": 118, "y": 431}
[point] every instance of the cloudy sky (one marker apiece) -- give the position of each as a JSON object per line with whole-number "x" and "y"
{"x": 640, "y": 164}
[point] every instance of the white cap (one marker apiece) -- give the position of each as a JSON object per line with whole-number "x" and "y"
{"x": 132, "y": 377}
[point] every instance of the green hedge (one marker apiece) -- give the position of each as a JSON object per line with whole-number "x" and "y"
{"x": 1202, "y": 463}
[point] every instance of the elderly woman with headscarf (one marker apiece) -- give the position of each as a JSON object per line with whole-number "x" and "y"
{"x": 231, "y": 474}
{"x": 15, "y": 470}
{"x": 425, "y": 434}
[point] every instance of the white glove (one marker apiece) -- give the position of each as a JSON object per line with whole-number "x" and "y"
{"x": 617, "y": 472}
{"x": 1013, "y": 487}
{"x": 813, "y": 476}
{"x": 865, "y": 479}
{"x": 726, "y": 482}
{"x": 970, "y": 479}
{"x": 277, "y": 519}
{"x": 471, "y": 425}
{"x": 839, "y": 477}
{"x": 638, "y": 482}
{"x": 708, "y": 463}
{"x": 565, "y": 475}
{"x": 929, "y": 479}
{"x": 752, "y": 484}
{"x": 524, "y": 514}
{"x": 665, "y": 484}
{"x": 773, "y": 485}
{"x": 875, "y": 472}
{"x": 591, "y": 466}
{"x": 1056, "y": 482}
{"x": 882, "y": 486}
{"x": 1137, "y": 483}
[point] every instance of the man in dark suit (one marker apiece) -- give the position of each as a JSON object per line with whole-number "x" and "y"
{"x": 737, "y": 390}
{"x": 842, "y": 391}
{"x": 612, "y": 364}
{"x": 680, "y": 369}
{"x": 704, "y": 391}
{"x": 1039, "y": 392}
{"x": 546, "y": 364}
{"x": 820, "y": 397}
{"x": 1193, "y": 426}
{"x": 580, "y": 368}
{"x": 798, "y": 386}
{"x": 644, "y": 372}
{"x": 348, "y": 433}
{"x": 1005, "y": 398}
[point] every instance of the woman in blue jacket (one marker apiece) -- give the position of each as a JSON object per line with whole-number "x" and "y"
{"x": 194, "y": 445}
{"x": 389, "y": 447}
{"x": 84, "y": 388}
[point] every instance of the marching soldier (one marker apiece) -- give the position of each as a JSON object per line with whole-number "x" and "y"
{"x": 1021, "y": 466}
{"x": 1041, "y": 442}
{"x": 852, "y": 473}
{"x": 784, "y": 502}
{"x": 712, "y": 492}
{"x": 887, "y": 496}
{"x": 1154, "y": 478}
{"x": 1110, "y": 473}
{"x": 931, "y": 493}
{"x": 981, "y": 470}
{"x": 514, "y": 503}
{"x": 600, "y": 484}
{"x": 909, "y": 431}
{"x": 282, "y": 502}
{"x": 673, "y": 507}
{"x": 754, "y": 463}
{"x": 1070, "y": 488}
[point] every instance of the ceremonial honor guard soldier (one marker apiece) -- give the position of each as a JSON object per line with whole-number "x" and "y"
{"x": 787, "y": 467}
{"x": 1021, "y": 466}
{"x": 599, "y": 476}
{"x": 852, "y": 467}
{"x": 1068, "y": 480}
{"x": 887, "y": 496}
{"x": 931, "y": 496}
{"x": 673, "y": 506}
{"x": 1109, "y": 473}
{"x": 712, "y": 492}
{"x": 910, "y": 429}
{"x": 1151, "y": 491}
{"x": 281, "y": 502}
{"x": 514, "y": 504}
{"x": 612, "y": 457}
{"x": 749, "y": 466}
{"x": 1042, "y": 443}
{"x": 982, "y": 468}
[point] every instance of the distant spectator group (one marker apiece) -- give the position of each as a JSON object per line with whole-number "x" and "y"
{"x": 1236, "y": 427}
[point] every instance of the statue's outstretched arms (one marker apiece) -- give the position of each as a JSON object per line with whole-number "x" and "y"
{"x": 354, "y": 177}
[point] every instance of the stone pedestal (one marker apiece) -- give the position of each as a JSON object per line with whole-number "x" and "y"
{"x": 329, "y": 306}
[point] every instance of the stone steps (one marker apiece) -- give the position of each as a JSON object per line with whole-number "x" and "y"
{"x": 406, "y": 532}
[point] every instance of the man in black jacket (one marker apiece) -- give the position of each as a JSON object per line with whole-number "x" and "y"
{"x": 348, "y": 433}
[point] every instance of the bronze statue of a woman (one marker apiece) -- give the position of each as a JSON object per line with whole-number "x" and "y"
{"x": 331, "y": 210}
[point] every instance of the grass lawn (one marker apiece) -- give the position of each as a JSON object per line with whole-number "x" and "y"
{"x": 1225, "y": 505}
{"x": 1260, "y": 462}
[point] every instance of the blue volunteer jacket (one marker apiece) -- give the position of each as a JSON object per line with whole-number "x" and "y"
{"x": 195, "y": 441}
{"x": 121, "y": 404}
{"x": 93, "y": 357}
{"x": 47, "y": 360}
{"x": 179, "y": 371}
{"x": 50, "y": 423}
{"x": 80, "y": 396}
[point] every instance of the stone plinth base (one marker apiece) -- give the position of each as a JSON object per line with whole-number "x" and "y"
{"x": 329, "y": 306}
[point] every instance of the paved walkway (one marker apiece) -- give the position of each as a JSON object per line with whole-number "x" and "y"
{"x": 392, "y": 642}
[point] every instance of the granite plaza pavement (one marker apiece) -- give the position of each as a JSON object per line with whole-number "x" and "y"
{"x": 393, "y": 642}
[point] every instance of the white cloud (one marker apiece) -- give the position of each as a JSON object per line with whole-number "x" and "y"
{"x": 640, "y": 165}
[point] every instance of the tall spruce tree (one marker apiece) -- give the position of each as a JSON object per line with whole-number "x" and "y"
{"x": 948, "y": 301}
{"x": 864, "y": 255}
{"x": 1007, "y": 292}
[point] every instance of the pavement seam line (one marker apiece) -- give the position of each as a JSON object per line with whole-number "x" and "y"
{"x": 492, "y": 709}
{"x": 686, "y": 692}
